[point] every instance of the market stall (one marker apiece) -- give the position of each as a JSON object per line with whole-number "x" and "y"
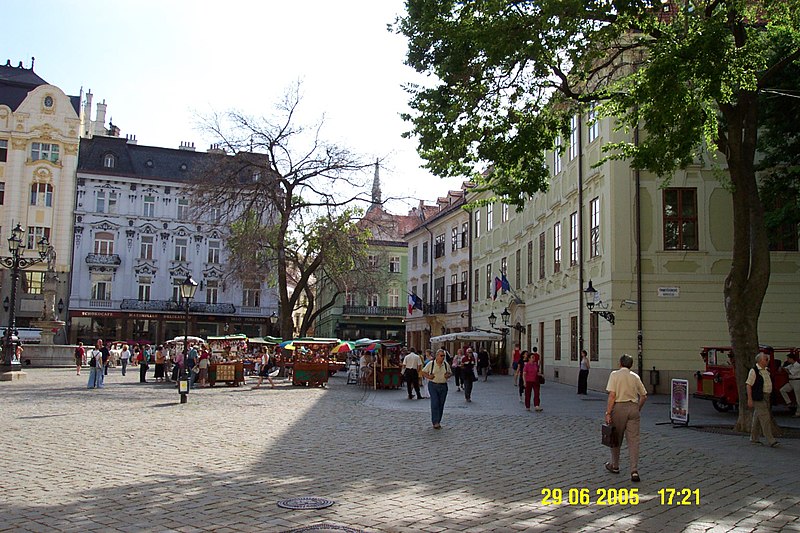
{"x": 311, "y": 362}
{"x": 385, "y": 362}
{"x": 228, "y": 359}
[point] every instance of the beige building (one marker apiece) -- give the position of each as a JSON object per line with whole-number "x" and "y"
{"x": 584, "y": 228}
{"x": 39, "y": 134}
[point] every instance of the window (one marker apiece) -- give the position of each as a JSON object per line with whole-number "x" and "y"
{"x": 593, "y": 131}
{"x": 454, "y": 239}
{"x": 541, "y": 255}
{"x": 45, "y": 151}
{"x": 477, "y": 223}
{"x": 573, "y": 338}
{"x": 504, "y": 212}
{"x": 214, "y": 251}
{"x": 394, "y": 264}
{"x": 424, "y": 292}
{"x": 144, "y": 288}
{"x": 215, "y": 215}
{"x": 594, "y": 227}
{"x": 176, "y": 290}
{"x": 372, "y": 260}
{"x": 530, "y": 262}
{"x": 104, "y": 243}
{"x": 425, "y": 253}
{"x": 464, "y": 281}
{"x": 680, "y": 219}
{"x": 181, "y": 249}
{"x": 350, "y": 299}
{"x": 149, "y": 206}
{"x": 504, "y": 267}
{"x": 3, "y": 150}
{"x": 464, "y": 234}
{"x": 35, "y": 234}
{"x": 477, "y": 285}
{"x": 42, "y": 194}
{"x": 109, "y": 161}
{"x": 33, "y": 282}
{"x": 2, "y": 192}
{"x": 394, "y": 297}
{"x": 594, "y": 337}
{"x": 146, "y": 247}
{"x": 557, "y": 156}
{"x": 438, "y": 247}
{"x": 518, "y": 269}
{"x": 489, "y": 280}
{"x": 557, "y": 247}
{"x": 414, "y": 256}
{"x": 557, "y": 341}
{"x": 251, "y": 294}
{"x": 101, "y": 287}
{"x": 372, "y": 300}
{"x": 573, "y": 137}
{"x": 183, "y": 209}
{"x": 212, "y": 291}
{"x": 573, "y": 239}
{"x": 489, "y": 217}
{"x": 102, "y": 198}
{"x": 455, "y": 290}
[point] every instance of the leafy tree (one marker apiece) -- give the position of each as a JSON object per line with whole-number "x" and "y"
{"x": 289, "y": 198}
{"x": 507, "y": 75}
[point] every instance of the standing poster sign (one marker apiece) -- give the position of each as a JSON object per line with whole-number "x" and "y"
{"x": 679, "y": 402}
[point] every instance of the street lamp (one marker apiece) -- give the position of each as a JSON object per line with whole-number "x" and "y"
{"x": 16, "y": 262}
{"x": 272, "y": 318}
{"x": 188, "y": 288}
{"x": 593, "y": 300}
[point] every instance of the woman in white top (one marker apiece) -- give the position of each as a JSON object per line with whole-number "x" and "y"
{"x": 583, "y": 374}
{"x": 263, "y": 370}
{"x": 124, "y": 357}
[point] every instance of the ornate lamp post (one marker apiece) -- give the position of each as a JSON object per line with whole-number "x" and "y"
{"x": 593, "y": 300}
{"x": 188, "y": 288}
{"x": 17, "y": 262}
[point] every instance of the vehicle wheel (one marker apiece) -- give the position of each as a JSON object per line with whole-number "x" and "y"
{"x": 721, "y": 406}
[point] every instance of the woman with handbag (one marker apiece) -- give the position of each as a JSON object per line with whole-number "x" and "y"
{"x": 530, "y": 374}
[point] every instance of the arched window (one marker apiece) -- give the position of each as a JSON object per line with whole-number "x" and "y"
{"x": 42, "y": 194}
{"x": 109, "y": 161}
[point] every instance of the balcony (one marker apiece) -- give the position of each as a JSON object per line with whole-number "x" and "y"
{"x": 129, "y": 304}
{"x": 374, "y": 310}
{"x": 112, "y": 260}
{"x": 436, "y": 308}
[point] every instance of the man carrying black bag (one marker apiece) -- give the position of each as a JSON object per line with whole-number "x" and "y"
{"x": 626, "y": 397}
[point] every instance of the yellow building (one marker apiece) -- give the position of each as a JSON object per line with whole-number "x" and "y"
{"x": 663, "y": 279}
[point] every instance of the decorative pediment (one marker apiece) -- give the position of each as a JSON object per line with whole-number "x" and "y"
{"x": 45, "y": 131}
{"x": 151, "y": 190}
{"x": 180, "y": 271}
{"x": 145, "y": 269}
{"x": 182, "y": 231}
{"x": 215, "y": 234}
{"x": 110, "y": 187}
{"x": 147, "y": 228}
{"x": 42, "y": 174}
{"x": 105, "y": 225}
{"x": 212, "y": 273}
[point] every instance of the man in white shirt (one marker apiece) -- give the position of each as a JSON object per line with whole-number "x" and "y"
{"x": 412, "y": 363}
{"x": 792, "y": 368}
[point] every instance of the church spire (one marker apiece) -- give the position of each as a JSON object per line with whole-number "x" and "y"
{"x": 376, "y": 187}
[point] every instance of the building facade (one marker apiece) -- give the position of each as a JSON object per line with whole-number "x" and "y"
{"x": 657, "y": 254}
{"x": 137, "y": 235}
{"x": 439, "y": 270}
{"x": 39, "y": 136}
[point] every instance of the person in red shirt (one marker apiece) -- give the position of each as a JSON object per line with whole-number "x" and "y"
{"x": 530, "y": 373}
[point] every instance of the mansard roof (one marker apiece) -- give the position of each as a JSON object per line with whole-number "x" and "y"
{"x": 17, "y": 82}
{"x": 139, "y": 161}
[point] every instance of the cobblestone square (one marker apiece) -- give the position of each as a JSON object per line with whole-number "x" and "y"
{"x": 129, "y": 457}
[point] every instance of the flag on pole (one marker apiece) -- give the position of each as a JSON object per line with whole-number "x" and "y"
{"x": 505, "y": 284}
{"x": 497, "y": 286}
{"x": 414, "y": 302}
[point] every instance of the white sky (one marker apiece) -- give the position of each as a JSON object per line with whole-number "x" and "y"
{"x": 158, "y": 64}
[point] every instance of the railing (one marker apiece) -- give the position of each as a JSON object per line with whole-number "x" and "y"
{"x": 171, "y": 305}
{"x": 435, "y": 308}
{"x": 253, "y": 311}
{"x": 102, "y": 304}
{"x": 103, "y": 259}
{"x": 373, "y": 310}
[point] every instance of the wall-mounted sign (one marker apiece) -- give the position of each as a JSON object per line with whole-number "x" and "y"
{"x": 669, "y": 292}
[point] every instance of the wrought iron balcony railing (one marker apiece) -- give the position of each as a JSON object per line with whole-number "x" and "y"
{"x": 374, "y": 310}
{"x": 435, "y": 308}
{"x": 103, "y": 259}
{"x": 171, "y": 305}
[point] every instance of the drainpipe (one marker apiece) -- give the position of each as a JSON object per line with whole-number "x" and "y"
{"x": 470, "y": 281}
{"x": 580, "y": 236}
{"x": 638, "y": 223}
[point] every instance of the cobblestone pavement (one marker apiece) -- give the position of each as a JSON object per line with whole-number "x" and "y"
{"x": 129, "y": 457}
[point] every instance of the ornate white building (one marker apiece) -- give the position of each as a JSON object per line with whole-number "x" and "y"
{"x": 137, "y": 235}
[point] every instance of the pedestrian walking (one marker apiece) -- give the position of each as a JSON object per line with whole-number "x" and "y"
{"x": 412, "y": 363}
{"x": 80, "y": 355}
{"x": 456, "y": 366}
{"x": 759, "y": 389}
{"x": 106, "y": 357}
{"x": 792, "y": 368}
{"x": 583, "y": 373}
{"x": 423, "y": 380}
{"x": 437, "y": 372}
{"x": 124, "y": 357}
{"x": 468, "y": 373}
{"x": 205, "y": 362}
{"x": 626, "y": 397}
{"x": 483, "y": 364}
{"x": 144, "y": 360}
{"x": 96, "y": 367}
{"x": 177, "y": 364}
{"x": 265, "y": 366}
{"x": 519, "y": 377}
{"x": 161, "y": 363}
{"x": 530, "y": 378}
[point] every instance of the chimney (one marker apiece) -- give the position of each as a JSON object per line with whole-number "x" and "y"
{"x": 186, "y": 145}
{"x": 87, "y": 115}
{"x": 131, "y": 139}
{"x": 215, "y": 149}
{"x": 100, "y": 119}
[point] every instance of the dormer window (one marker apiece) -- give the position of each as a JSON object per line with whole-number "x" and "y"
{"x": 109, "y": 161}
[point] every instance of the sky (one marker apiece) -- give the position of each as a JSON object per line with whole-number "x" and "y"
{"x": 160, "y": 64}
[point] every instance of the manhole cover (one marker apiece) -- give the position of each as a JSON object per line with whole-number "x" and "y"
{"x": 325, "y": 527}
{"x": 307, "y": 502}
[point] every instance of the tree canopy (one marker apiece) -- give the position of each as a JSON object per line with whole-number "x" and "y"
{"x": 506, "y": 76}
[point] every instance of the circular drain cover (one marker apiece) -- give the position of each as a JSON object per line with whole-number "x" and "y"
{"x": 307, "y": 502}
